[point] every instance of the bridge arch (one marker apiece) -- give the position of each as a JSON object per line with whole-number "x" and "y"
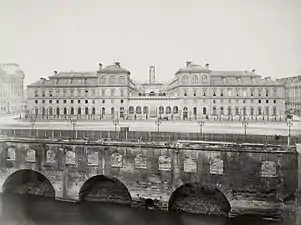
{"x": 27, "y": 181}
{"x": 102, "y": 188}
{"x": 199, "y": 198}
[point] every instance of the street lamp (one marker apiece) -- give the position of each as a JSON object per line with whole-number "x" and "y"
{"x": 202, "y": 123}
{"x": 73, "y": 122}
{"x": 289, "y": 123}
{"x": 245, "y": 123}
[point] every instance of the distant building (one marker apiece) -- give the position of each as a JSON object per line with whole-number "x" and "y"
{"x": 11, "y": 88}
{"x": 292, "y": 86}
{"x": 195, "y": 93}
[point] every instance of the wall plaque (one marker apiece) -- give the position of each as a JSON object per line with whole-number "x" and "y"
{"x": 11, "y": 154}
{"x": 140, "y": 161}
{"x": 164, "y": 163}
{"x": 92, "y": 158}
{"x": 70, "y": 157}
{"x": 190, "y": 165}
{"x": 216, "y": 166}
{"x": 30, "y": 155}
{"x": 116, "y": 160}
{"x": 268, "y": 169}
{"x": 50, "y": 156}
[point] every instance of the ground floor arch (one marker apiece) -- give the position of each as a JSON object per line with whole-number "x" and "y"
{"x": 199, "y": 199}
{"x": 28, "y": 182}
{"x": 105, "y": 189}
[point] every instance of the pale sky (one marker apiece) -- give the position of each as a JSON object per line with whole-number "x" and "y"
{"x": 64, "y": 35}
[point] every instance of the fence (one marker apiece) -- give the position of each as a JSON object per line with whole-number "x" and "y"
{"x": 149, "y": 136}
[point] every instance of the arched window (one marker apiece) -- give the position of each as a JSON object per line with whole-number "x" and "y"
{"x": 168, "y": 110}
{"x": 204, "y": 79}
{"x": 267, "y": 111}
{"x": 65, "y": 111}
{"x": 145, "y": 110}
{"x": 72, "y": 111}
{"x": 131, "y": 110}
{"x": 195, "y": 79}
{"x": 36, "y": 111}
{"x": 214, "y": 111}
{"x": 204, "y": 111}
{"x": 185, "y": 109}
{"x": 50, "y": 111}
{"x": 185, "y": 79}
{"x": 43, "y": 111}
{"x": 112, "y": 80}
{"x": 121, "y": 111}
{"x": 79, "y": 111}
{"x": 121, "y": 80}
{"x": 252, "y": 111}
{"x": 222, "y": 110}
{"x": 103, "y": 111}
{"x": 236, "y": 111}
{"x": 86, "y": 111}
{"x": 57, "y": 111}
{"x": 259, "y": 110}
{"x": 103, "y": 80}
{"x": 244, "y": 111}
{"x": 138, "y": 110}
{"x": 229, "y": 111}
{"x": 274, "y": 111}
{"x": 161, "y": 110}
{"x": 112, "y": 111}
{"x": 175, "y": 110}
{"x": 93, "y": 111}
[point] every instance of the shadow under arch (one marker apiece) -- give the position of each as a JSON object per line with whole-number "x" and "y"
{"x": 101, "y": 188}
{"x": 27, "y": 181}
{"x": 198, "y": 198}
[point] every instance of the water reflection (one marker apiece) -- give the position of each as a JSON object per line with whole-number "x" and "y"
{"x": 18, "y": 209}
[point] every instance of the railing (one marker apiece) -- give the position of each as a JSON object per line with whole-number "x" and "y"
{"x": 149, "y": 136}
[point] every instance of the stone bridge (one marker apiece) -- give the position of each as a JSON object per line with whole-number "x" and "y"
{"x": 197, "y": 177}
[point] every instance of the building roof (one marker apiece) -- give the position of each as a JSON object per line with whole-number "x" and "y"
{"x": 233, "y": 73}
{"x": 192, "y": 68}
{"x": 72, "y": 74}
{"x": 114, "y": 69}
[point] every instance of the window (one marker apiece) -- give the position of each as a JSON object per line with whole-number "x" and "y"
{"x": 229, "y": 110}
{"x": 71, "y": 92}
{"x": 112, "y": 111}
{"x": 93, "y": 101}
{"x": 204, "y": 111}
{"x": 204, "y": 79}
{"x": 214, "y": 92}
{"x": 259, "y": 93}
{"x": 237, "y": 93}
{"x": 161, "y": 110}
{"x": 274, "y": 111}
{"x": 36, "y": 93}
{"x": 121, "y": 80}
{"x": 194, "y": 93}
{"x": 86, "y": 111}
{"x": 78, "y": 101}
{"x": 103, "y": 80}
{"x": 103, "y": 101}
{"x": 275, "y": 92}
{"x": 267, "y": 110}
{"x": 229, "y": 93}
{"x": 131, "y": 110}
{"x": 145, "y": 110}
{"x": 214, "y": 111}
{"x": 204, "y": 92}
{"x": 251, "y": 111}
{"x": 185, "y": 79}
{"x": 57, "y": 111}
{"x": 195, "y": 79}
{"x": 103, "y": 110}
{"x": 274, "y": 101}
{"x": 86, "y": 101}
{"x": 86, "y": 92}
{"x": 71, "y": 101}
{"x": 65, "y": 101}
{"x": 222, "y": 93}
{"x": 185, "y": 92}
{"x": 121, "y": 101}
{"x": 50, "y": 111}
{"x": 259, "y": 101}
{"x": 43, "y": 101}
{"x": 259, "y": 111}
{"x": 50, "y": 101}
{"x": 244, "y": 111}
{"x": 57, "y": 101}
{"x": 112, "y": 92}
{"x": 267, "y": 101}
{"x": 93, "y": 111}
{"x": 266, "y": 93}
{"x": 222, "y": 111}
{"x": 121, "y": 92}
{"x": 244, "y": 93}
{"x": 175, "y": 110}
{"x": 93, "y": 92}
{"x": 64, "y": 92}
{"x": 36, "y": 111}
{"x": 65, "y": 111}
{"x": 79, "y": 111}
{"x": 50, "y": 93}
{"x": 236, "y": 111}
{"x": 138, "y": 110}
{"x": 168, "y": 110}
{"x": 103, "y": 92}
{"x": 72, "y": 111}
{"x": 112, "y": 80}
{"x": 243, "y": 101}
{"x": 213, "y": 101}
{"x": 252, "y": 93}
{"x": 43, "y": 94}
{"x": 36, "y": 101}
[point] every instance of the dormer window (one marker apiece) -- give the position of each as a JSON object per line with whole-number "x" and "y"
{"x": 36, "y": 93}
{"x": 204, "y": 79}
{"x": 185, "y": 79}
{"x": 195, "y": 79}
{"x": 112, "y": 80}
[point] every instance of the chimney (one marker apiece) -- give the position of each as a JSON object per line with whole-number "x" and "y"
{"x": 99, "y": 66}
{"x": 188, "y": 63}
{"x": 117, "y": 64}
{"x": 55, "y": 72}
{"x": 253, "y": 70}
{"x": 207, "y": 66}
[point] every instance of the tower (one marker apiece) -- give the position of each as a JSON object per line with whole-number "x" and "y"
{"x": 152, "y": 75}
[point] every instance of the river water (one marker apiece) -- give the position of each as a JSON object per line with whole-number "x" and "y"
{"x": 32, "y": 210}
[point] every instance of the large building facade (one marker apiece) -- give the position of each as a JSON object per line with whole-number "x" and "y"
{"x": 11, "y": 88}
{"x": 292, "y": 86}
{"x": 194, "y": 93}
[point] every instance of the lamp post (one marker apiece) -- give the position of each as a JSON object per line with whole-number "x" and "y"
{"x": 245, "y": 123}
{"x": 73, "y": 122}
{"x": 289, "y": 123}
{"x": 201, "y": 123}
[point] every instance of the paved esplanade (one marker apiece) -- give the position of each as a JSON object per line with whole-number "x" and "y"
{"x": 264, "y": 128}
